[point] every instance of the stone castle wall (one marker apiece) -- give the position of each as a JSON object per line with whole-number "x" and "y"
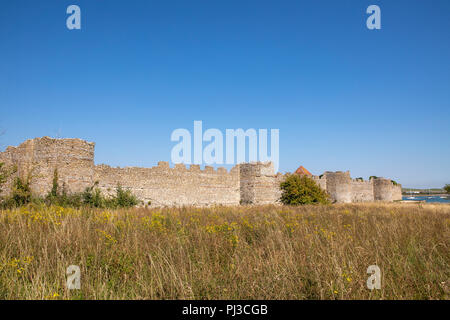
{"x": 362, "y": 191}
{"x": 259, "y": 184}
{"x": 339, "y": 186}
{"x": 73, "y": 158}
{"x": 247, "y": 183}
{"x": 385, "y": 190}
{"x": 177, "y": 186}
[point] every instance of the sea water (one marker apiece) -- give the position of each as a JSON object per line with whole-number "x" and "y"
{"x": 444, "y": 199}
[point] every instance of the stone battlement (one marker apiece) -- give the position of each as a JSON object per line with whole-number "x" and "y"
{"x": 162, "y": 185}
{"x": 163, "y": 165}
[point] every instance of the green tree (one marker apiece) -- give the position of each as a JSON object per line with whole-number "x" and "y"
{"x": 21, "y": 191}
{"x": 55, "y": 186}
{"x": 58, "y": 196}
{"x": 447, "y": 188}
{"x": 298, "y": 190}
{"x": 124, "y": 198}
{"x": 3, "y": 175}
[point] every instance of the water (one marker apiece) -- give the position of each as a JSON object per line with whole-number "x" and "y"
{"x": 446, "y": 199}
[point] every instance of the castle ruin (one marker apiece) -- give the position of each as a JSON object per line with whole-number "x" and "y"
{"x": 246, "y": 183}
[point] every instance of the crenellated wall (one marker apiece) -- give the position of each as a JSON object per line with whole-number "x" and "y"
{"x": 362, "y": 191}
{"x": 165, "y": 186}
{"x": 246, "y": 183}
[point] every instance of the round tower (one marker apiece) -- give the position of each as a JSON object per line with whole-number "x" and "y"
{"x": 339, "y": 186}
{"x": 383, "y": 189}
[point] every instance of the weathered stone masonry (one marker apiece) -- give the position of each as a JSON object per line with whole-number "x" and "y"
{"x": 247, "y": 183}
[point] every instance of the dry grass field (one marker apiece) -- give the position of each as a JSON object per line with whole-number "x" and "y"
{"x": 269, "y": 252}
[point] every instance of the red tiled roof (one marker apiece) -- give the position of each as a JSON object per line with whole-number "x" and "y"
{"x": 302, "y": 171}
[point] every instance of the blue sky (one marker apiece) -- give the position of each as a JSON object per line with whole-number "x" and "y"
{"x": 375, "y": 102}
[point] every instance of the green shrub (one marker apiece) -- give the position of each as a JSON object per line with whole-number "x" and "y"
{"x": 447, "y": 188}
{"x": 298, "y": 190}
{"x": 3, "y": 175}
{"x": 92, "y": 197}
{"x": 59, "y": 197}
{"x": 64, "y": 200}
{"x": 21, "y": 191}
{"x": 124, "y": 198}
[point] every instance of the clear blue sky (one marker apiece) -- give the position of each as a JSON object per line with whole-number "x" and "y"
{"x": 344, "y": 97}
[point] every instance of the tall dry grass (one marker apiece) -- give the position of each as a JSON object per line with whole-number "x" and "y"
{"x": 308, "y": 252}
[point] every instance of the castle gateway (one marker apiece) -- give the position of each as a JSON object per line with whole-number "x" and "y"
{"x": 246, "y": 183}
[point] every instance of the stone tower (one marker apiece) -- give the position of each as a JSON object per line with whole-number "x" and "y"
{"x": 73, "y": 159}
{"x": 339, "y": 186}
